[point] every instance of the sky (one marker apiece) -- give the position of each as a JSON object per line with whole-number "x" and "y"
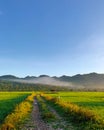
{"x": 53, "y": 37}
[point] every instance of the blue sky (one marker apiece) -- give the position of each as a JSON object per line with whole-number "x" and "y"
{"x": 54, "y": 37}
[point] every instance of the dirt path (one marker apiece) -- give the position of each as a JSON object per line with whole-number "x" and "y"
{"x": 36, "y": 123}
{"x": 40, "y": 124}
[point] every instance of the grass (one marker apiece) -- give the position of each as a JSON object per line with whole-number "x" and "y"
{"x": 82, "y": 108}
{"x": 46, "y": 114}
{"x": 91, "y": 100}
{"x": 13, "y": 120}
{"x": 8, "y": 101}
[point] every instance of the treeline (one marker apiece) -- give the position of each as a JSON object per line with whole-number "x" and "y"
{"x": 14, "y": 86}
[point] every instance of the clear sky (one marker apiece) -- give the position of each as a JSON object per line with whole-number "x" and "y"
{"x": 54, "y": 37}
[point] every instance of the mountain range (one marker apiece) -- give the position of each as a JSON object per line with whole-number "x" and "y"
{"x": 91, "y": 81}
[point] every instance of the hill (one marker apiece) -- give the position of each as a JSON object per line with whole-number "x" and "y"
{"x": 92, "y": 81}
{"x": 88, "y": 81}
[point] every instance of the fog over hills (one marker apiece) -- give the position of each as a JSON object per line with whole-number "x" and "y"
{"x": 42, "y": 79}
{"x": 85, "y": 81}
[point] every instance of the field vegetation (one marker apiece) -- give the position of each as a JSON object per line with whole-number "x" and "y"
{"x": 81, "y": 108}
{"x": 8, "y": 101}
{"x": 21, "y": 111}
{"x": 46, "y": 114}
{"x": 91, "y": 100}
{"x": 84, "y": 110}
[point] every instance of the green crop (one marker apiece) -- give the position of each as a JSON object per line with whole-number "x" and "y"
{"x": 91, "y": 100}
{"x": 8, "y": 101}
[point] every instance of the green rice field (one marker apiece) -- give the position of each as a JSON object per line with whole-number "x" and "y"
{"x": 69, "y": 106}
{"x": 8, "y": 101}
{"x": 91, "y": 100}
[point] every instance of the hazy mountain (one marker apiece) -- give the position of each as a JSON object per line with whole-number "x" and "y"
{"x": 6, "y": 77}
{"x": 84, "y": 78}
{"x": 89, "y": 81}
{"x": 30, "y": 77}
{"x": 44, "y": 76}
{"x": 43, "y": 80}
{"x": 85, "y": 81}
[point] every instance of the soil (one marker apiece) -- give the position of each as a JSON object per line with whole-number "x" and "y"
{"x": 35, "y": 121}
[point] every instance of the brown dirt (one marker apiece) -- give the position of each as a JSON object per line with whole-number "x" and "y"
{"x": 35, "y": 121}
{"x": 40, "y": 124}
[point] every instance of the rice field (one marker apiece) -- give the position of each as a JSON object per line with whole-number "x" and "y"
{"x": 85, "y": 110}
{"x": 91, "y": 100}
{"x": 8, "y": 101}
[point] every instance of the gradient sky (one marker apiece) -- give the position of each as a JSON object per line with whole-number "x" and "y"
{"x": 54, "y": 37}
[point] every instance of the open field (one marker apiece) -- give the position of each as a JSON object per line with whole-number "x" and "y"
{"x": 85, "y": 110}
{"x": 52, "y": 110}
{"x": 8, "y": 101}
{"x": 91, "y": 100}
